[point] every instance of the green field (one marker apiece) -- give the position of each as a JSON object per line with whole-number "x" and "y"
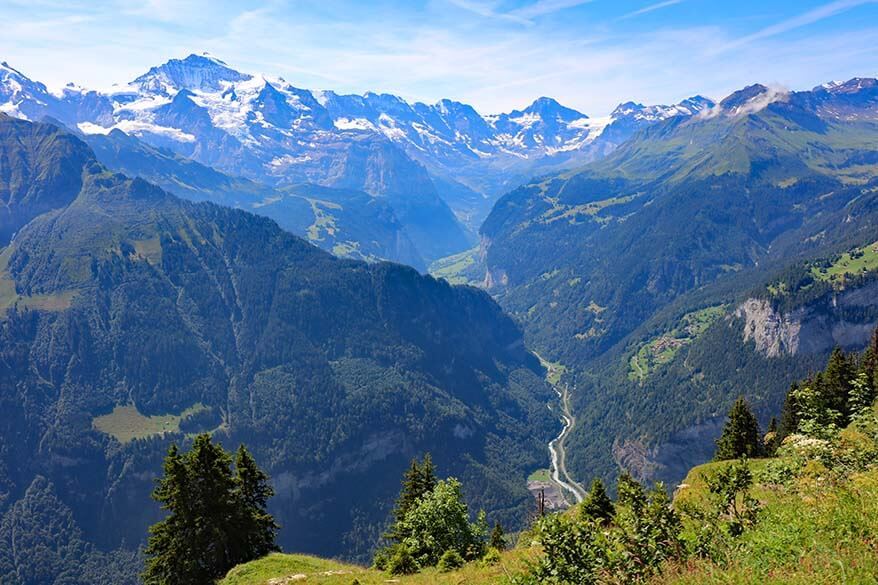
{"x": 662, "y": 350}
{"x": 9, "y": 297}
{"x": 460, "y": 268}
{"x": 853, "y": 263}
{"x": 126, "y": 423}
{"x": 554, "y": 370}
{"x": 540, "y": 475}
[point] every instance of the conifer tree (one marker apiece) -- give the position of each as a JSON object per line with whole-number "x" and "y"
{"x": 498, "y": 537}
{"x": 216, "y": 518}
{"x": 257, "y": 529}
{"x": 771, "y": 437}
{"x": 789, "y": 415}
{"x": 597, "y": 504}
{"x": 869, "y": 362}
{"x": 740, "y": 436}
{"x": 169, "y": 555}
{"x": 418, "y": 480}
{"x": 836, "y": 383}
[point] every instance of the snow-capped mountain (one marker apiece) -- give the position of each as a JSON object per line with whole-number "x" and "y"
{"x": 422, "y": 158}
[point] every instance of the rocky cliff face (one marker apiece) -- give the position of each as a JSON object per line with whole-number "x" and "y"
{"x": 811, "y": 329}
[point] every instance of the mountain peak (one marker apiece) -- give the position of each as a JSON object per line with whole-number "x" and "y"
{"x": 851, "y": 86}
{"x": 546, "y": 108}
{"x": 742, "y": 96}
{"x": 202, "y": 72}
{"x": 627, "y": 109}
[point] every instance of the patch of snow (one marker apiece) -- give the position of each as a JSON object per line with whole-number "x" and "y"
{"x": 136, "y": 127}
{"x": 353, "y": 124}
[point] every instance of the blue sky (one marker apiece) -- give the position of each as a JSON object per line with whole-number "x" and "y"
{"x": 495, "y": 54}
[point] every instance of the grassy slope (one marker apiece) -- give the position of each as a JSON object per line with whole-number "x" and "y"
{"x": 815, "y": 533}
{"x": 280, "y": 569}
{"x": 126, "y": 423}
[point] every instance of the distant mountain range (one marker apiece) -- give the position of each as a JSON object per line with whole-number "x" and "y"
{"x": 440, "y": 167}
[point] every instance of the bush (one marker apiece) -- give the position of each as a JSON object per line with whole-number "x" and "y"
{"x": 492, "y": 557}
{"x": 402, "y": 562}
{"x": 450, "y": 561}
{"x": 439, "y": 522}
{"x": 383, "y": 556}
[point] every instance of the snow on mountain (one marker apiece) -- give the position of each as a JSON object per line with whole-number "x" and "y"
{"x": 268, "y": 130}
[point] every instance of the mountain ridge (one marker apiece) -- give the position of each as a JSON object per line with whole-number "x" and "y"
{"x": 177, "y": 317}
{"x": 242, "y": 124}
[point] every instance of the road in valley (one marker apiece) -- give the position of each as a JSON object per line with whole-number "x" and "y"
{"x": 556, "y": 448}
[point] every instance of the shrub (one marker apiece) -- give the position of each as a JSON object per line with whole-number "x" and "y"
{"x": 450, "y": 560}
{"x": 402, "y": 562}
{"x": 492, "y": 557}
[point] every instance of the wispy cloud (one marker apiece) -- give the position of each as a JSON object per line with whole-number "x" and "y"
{"x": 650, "y": 8}
{"x": 585, "y": 58}
{"x": 545, "y": 7}
{"x": 524, "y": 15}
{"x": 811, "y": 17}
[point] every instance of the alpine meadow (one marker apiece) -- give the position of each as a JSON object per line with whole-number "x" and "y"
{"x": 355, "y": 293}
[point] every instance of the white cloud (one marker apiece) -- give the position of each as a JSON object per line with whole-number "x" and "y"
{"x": 650, "y": 8}
{"x": 524, "y": 15}
{"x": 811, "y": 17}
{"x": 493, "y": 63}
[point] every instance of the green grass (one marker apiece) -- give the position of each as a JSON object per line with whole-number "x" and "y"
{"x": 324, "y": 221}
{"x": 664, "y": 348}
{"x": 126, "y": 423}
{"x": 542, "y": 475}
{"x": 284, "y": 569}
{"x": 9, "y": 297}
{"x": 457, "y": 269}
{"x": 851, "y": 263}
{"x": 554, "y": 370}
{"x": 816, "y": 533}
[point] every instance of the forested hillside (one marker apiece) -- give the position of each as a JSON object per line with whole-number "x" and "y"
{"x": 636, "y": 271}
{"x": 130, "y": 319}
{"x": 795, "y": 504}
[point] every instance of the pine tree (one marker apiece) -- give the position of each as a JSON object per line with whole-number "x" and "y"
{"x": 255, "y": 534}
{"x": 170, "y": 558}
{"x": 771, "y": 437}
{"x": 418, "y": 480}
{"x": 216, "y": 519}
{"x": 789, "y": 415}
{"x": 498, "y": 537}
{"x": 597, "y": 504}
{"x": 869, "y": 363}
{"x": 741, "y": 434}
{"x": 836, "y": 383}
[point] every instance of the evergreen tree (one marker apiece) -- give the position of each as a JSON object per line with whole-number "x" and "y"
{"x": 216, "y": 519}
{"x": 771, "y": 437}
{"x": 597, "y": 504}
{"x": 498, "y": 537}
{"x": 170, "y": 558}
{"x": 789, "y": 415}
{"x": 869, "y": 362}
{"x": 257, "y": 529}
{"x": 836, "y": 383}
{"x": 418, "y": 481}
{"x": 741, "y": 434}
